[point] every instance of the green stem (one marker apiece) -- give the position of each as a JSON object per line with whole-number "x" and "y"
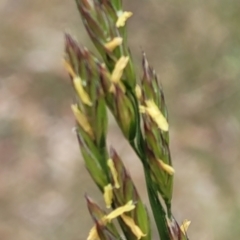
{"x": 157, "y": 208}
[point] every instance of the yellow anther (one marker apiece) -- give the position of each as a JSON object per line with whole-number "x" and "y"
{"x": 123, "y": 18}
{"x": 134, "y": 228}
{"x": 77, "y": 82}
{"x": 167, "y": 168}
{"x": 69, "y": 68}
{"x": 93, "y": 234}
{"x": 184, "y": 226}
{"x": 156, "y": 115}
{"x": 108, "y": 195}
{"x": 138, "y": 92}
{"x": 120, "y": 210}
{"x": 82, "y": 120}
{"x": 115, "y": 42}
{"x": 118, "y": 69}
{"x": 113, "y": 172}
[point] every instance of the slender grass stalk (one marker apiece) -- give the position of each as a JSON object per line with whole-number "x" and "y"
{"x": 141, "y": 113}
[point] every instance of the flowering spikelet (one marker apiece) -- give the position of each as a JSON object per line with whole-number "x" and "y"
{"x": 127, "y": 192}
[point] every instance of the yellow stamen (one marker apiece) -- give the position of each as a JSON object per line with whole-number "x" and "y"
{"x": 108, "y": 195}
{"x": 69, "y": 69}
{"x": 114, "y": 173}
{"x": 120, "y": 210}
{"x": 184, "y": 226}
{"x": 123, "y": 18}
{"x": 156, "y": 115}
{"x": 77, "y": 82}
{"x": 117, "y": 41}
{"x": 93, "y": 234}
{"x": 167, "y": 168}
{"x": 138, "y": 92}
{"x": 118, "y": 69}
{"x": 82, "y": 120}
{"x": 134, "y": 228}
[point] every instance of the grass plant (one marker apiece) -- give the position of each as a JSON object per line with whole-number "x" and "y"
{"x": 140, "y": 111}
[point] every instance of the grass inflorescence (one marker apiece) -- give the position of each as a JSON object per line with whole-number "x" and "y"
{"x": 141, "y": 113}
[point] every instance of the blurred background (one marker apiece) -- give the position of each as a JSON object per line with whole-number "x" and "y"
{"x": 194, "y": 45}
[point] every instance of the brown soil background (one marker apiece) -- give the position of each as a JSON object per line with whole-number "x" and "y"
{"x": 193, "y": 45}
